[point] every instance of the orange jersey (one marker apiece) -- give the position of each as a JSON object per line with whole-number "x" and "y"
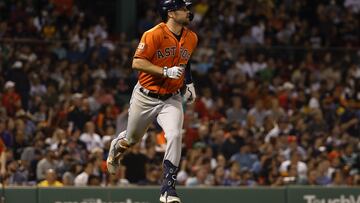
{"x": 159, "y": 46}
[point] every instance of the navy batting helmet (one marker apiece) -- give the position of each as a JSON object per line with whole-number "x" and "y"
{"x": 171, "y": 5}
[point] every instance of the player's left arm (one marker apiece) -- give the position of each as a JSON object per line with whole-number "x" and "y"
{"x": 189, "y": 93}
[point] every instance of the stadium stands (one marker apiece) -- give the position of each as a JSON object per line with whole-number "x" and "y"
{"x": 278, "y": 85}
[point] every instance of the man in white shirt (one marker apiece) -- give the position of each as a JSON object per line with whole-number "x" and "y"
{"x": 90, "y": 137}
{"x": 294, "y": 160}
{"x": 82, "y": 178}
{"x": 244, "y": 66}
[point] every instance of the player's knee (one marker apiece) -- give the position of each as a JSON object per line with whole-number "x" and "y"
{"x": 173, "y": 135}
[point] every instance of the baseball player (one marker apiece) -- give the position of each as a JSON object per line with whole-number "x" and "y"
{"x": 161, "y": 58}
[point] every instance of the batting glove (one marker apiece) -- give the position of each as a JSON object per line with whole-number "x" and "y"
{"x": 174, "y": 72}
{"x": 190, "y": 94}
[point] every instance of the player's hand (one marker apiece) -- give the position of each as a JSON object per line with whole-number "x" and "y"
{"x": 174, "y": 72}
{"x": 190, "y": 94}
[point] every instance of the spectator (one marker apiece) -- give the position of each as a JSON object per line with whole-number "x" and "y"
{"x": 94, "y": 180}
{"x": 258, "y": 112}
{"x": 200, "y": 179}
{"x": 247, "y": 178}
{"x": 349, "y": 158}
{"x": 294, "y": 147}
{"x": 233, "y": 177}
{"x": 338, "y": 178}
{"x": 245, "y": 159}
{"x": 295, "y": 158}
{"x": 48, "y": 162}
{"x": 219, "y": 176}
{"x": 17, "y": 174}
{"x": 50, "y": 180}
{"x": 236, "y": 113}
{"x": 36, "y": 88}
{"x": 90, "y": 137}
{"x": 153, "y": 175}
{"x": 83, "y": 178}
{"x": 68, "y": 179}
{"x": 18, "y": 75}
{"x": 312, "y": 177}
{"x": 5, "y": 135}
{"x": 78, "y": 114}
{"x": 134, "y": 165}
{"x": 232, "y": 144}
{"x": 309, "y": 100}
{"x": 324, "y": 177}
{"x": 10, "y": 99}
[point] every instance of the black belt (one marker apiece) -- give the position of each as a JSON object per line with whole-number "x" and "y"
{"x": 162, "y": 97}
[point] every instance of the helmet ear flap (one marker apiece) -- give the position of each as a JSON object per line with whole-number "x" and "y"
{"x": 163, "y": 14}
{"x": 164, "y": 17}
{"x": 191, "y": 16}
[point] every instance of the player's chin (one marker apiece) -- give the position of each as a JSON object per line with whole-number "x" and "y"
{"x": 186, "y": 22}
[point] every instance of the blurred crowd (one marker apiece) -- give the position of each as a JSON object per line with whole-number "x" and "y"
{"x": 278, "y": 85}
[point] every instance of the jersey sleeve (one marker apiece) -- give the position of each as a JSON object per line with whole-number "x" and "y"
{"x": 147, "y": 46}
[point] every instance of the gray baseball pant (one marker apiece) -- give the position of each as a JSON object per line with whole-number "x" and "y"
{"x": 169, "y": 114}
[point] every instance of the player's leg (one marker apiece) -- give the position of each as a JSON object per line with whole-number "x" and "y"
{"x": 170, "y": 119}
{"x": 142, "y": 112}
{"x": 118, "y": 147}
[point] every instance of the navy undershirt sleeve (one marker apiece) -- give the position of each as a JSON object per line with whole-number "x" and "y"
{"x": 188, "y": 77}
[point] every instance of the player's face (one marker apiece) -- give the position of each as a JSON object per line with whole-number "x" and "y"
{"x": 182, "y": 16}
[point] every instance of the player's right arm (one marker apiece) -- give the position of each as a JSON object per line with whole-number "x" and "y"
{"x": 146, "y": 66}
{"x": 145, "y": 52}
